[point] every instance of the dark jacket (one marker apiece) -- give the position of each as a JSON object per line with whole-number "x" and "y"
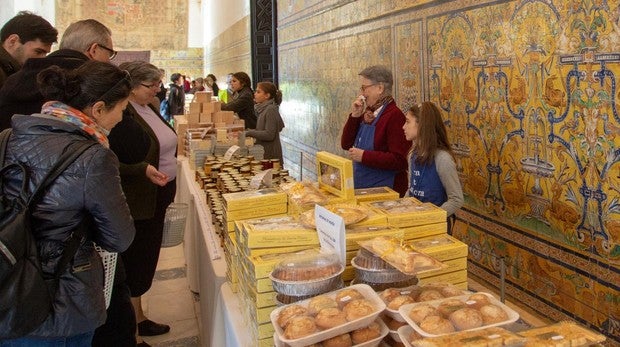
{"x": 20, "y": 93}
{"x": 89, "y": 189}
{"x": 8, "y": 65}
{"x": 243, "y": 105}
{"x": 176, "y": 100}
{"x": 130, "y": 139}
{"x": 268, "y": 128}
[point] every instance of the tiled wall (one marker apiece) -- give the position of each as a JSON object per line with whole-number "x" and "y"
{"x": 148, "y": 25}
{"x": 528, "y": 92}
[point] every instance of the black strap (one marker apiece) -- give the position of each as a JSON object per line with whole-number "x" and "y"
{"x": 4, "y": 140}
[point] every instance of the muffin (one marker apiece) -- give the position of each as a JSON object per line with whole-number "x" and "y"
{"x": 343, "y": 340}
{"x": 393, "y": 324}
{"x": 299, "y": 326}
{"x": 429, "y": 294}
{"x": 450, "y": 290}
{"x": 366, "y": 334}
{"x": 358, "y": 308}
{"x": 389, "y": 294}
{"x": 320, "y": 302}
{"x": 450, "y": 305}
{"x": 330, "y": 317}
{"x": 436, "y": 325}
{"x": 346, "y": 295}
{"x": 477, "y": 300}
{"x": 420, "y": 312}
{"x": 289, "y": 312}
{"x": 493, "y": 314}
{"x": 466, "y": 318}
{"x": 400, "y": 301}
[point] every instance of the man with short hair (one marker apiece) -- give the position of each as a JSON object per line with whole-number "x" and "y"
{"x": 81, "y": 41}
{"x": 24, "y": 36}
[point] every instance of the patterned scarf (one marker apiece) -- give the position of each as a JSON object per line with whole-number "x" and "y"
{"x": 69, "y": 114}
{"x": 369, "y": 114}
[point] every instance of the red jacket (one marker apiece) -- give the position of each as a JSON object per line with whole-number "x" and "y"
{"x": 391, "y": 146}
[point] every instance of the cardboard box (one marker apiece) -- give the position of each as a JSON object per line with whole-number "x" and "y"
{"x": 419, "y": 231}
{"x": 251, "y": 198}
{"x": 335, "y": 174}
{"x": 450, "y": 277}
{"x": 262, "y": 265}
{"x": 407, "y": 212}
{"x": 205, "y": 118}
{"x": 207, "y": 107}
{"x": 195, "y": 108}
{"x": 255, "y": 212}
{"x": 204, "y": 96}
{"x": 441, "y": 247}
{"x": 375, "y": 194}
{"x": 361, "y": 233}
{"x": 290, "y": 234}
{"x": 452, "y": 265}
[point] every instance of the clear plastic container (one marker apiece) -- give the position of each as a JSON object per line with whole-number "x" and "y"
{"x": 307, "y": 274}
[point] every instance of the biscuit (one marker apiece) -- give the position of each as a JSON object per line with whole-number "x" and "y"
{"x": 420, "y": 312}
{"x": 436, "y": 325}
{"x": 320, "y": 302}
{"x": 358, "y": 308}
{"x": 400, "y": 301}
{"x": 299, "y": 326}
{"x": 289, "y": 312}
{"x": 330, "y": 317}
{"x": 343, "y": 340}
{"x": 429, "y": 294}
{"x": 493, "y": 314}
{"x": 466, "y": 318}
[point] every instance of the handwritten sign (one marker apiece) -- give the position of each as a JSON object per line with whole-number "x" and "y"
{"x": 330, "y": 228}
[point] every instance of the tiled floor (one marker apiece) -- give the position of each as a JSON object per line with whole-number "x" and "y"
{"x": 170, "y": 301}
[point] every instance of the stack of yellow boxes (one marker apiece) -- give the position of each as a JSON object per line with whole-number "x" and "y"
{"x": 261, "y": 245}
{"x": 426, "y": 221}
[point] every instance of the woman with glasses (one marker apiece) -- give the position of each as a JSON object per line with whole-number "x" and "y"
{"x": 373, "y": 134}
{"x": 86, "y": 104}
{"x": 149, "y": 185}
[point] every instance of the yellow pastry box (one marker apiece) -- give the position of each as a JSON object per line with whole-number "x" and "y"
{"x": 407, "y": 212}
{"x": 278, "y": 233}
{"x": 250, "y": 199}
{"x": 441, "y": 247}
{"x": 335, "y": 174}
{"x": 375, "y": 194}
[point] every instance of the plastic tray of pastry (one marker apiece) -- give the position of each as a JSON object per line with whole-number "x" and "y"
{"x": 460, "y": 313}
{"x": 563, "y": 334}
{"x": 491, "y": 336}
{"x": 394, "y": 298}
{"x": 307, "y": 274}
{"x": 401, "y": 255}
{"x": 326, "y": 316}
{"x": 365, "y": 333}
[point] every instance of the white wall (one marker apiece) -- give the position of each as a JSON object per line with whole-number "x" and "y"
{"x": 220, "y": 15}
{"x": 44, "y": 8}
{"x": 195, "y": 32}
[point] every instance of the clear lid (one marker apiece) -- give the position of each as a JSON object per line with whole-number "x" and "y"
{"x": 307, "y": 267}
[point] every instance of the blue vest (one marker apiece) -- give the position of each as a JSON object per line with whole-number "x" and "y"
{"x": 425, "y": 184}
{"x": 365, "y": 176}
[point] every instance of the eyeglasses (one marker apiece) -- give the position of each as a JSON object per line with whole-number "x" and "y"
{"x": 112, "y": 52}
{"x": 364, "y": 87}
{"x": 154, "y": 85}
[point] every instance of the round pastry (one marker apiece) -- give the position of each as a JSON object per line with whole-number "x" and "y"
{"x": 393, "y": 324}
{"x": 450, "y": 291}
{"x": 450, "y": 305}
{"x": 343, "y": 340}
{"x": 366, "y": 334}
{"x": 429, "y": 294}
{"x": 299, "y": 326}
{"x": 400, "y": 301}
{"x": 358, "y": 308}
{"x": 493, "y": 314}
{"x": 330, "y": 317}
{"x": 466, "y": 318}
{"x": 420, "y": 312}
{"x": 320, "y": 302}
{"x": 436, "y": 325}
{"x": 346, "y": 295}
{"x": 289, "y": 312}
{"x": 477, "y": 300}
{"x": 389, "y": 294}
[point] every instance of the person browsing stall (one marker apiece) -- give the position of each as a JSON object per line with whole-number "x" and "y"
{"x": 242, "y": 102}
{"x": 373, "y": 134}
{"x": 433, "y": 174}
{"x": 269, "y": 124}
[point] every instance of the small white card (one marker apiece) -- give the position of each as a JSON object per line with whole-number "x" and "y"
{"x": 230, "y": 152}
{"x": 261, "y": 177}
{"x": 330, "y": 228}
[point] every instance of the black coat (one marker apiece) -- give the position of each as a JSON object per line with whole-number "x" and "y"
{"x": 20, "y": 93}
{"x": 176, "y": 100}
{"x": 90, "y": 188}
{"x": 243, "y": 105}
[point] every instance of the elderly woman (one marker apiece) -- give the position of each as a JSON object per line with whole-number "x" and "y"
{"x": 373, "y": 134}
{"x": 149, "y": 185}
{"x": 242, "y": 99}
{"x": 86, "y": 103}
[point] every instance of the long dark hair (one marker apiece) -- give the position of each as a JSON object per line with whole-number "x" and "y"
{"x": 94, "y": 81}
{"x": 432, "y": 133}
{"x": 272, "y": 90}
{"x": 244, "y": 79}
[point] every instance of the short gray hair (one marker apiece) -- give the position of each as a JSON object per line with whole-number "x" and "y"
{"x": 141, "y": 71}
{"x": 379, "y": 74}
{"x": 80, "y": 35}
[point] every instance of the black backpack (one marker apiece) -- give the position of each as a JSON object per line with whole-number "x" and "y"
{"x": 26, "y": 295}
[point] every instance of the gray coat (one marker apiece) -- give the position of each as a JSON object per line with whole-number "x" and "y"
{"x": 88, "y": 189}
{"x": 268, "y": 128}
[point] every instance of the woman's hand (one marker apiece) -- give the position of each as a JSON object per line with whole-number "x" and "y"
{"x": 358, "y": 106}
{"x": 356, "y": 154}
{"x": 157, "y": 177}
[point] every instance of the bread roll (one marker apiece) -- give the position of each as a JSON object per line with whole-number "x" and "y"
{"x": 450, "y": 305}
{"x": 330, "y": 317}
{"x": 320, "y": 302}
{"x": 420, "y": 312}
{"x": 400, "y": 301}
{"x": 466, "y": 318}
{"x": 299, "y": 326}
{"x": 289, "y": 312}
{"x": 366, "y": 334}
{"x": 450, "y": 290}
{"x": 389, "y": 294}
{"x": 346, "y": 295}
{"x": 436, "y": 325}
{"x": 493, "y": 314}
{"x": 343, "y": 340}
{"x": 477, "y": 300}
{"x": 358, "y": 308}
{"x": 429, "y": 294}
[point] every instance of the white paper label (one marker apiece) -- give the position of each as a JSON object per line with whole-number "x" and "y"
{"x": 330, "y": 228}
{"x": 230, "y": 152}
{"x": 261, "y": 177}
